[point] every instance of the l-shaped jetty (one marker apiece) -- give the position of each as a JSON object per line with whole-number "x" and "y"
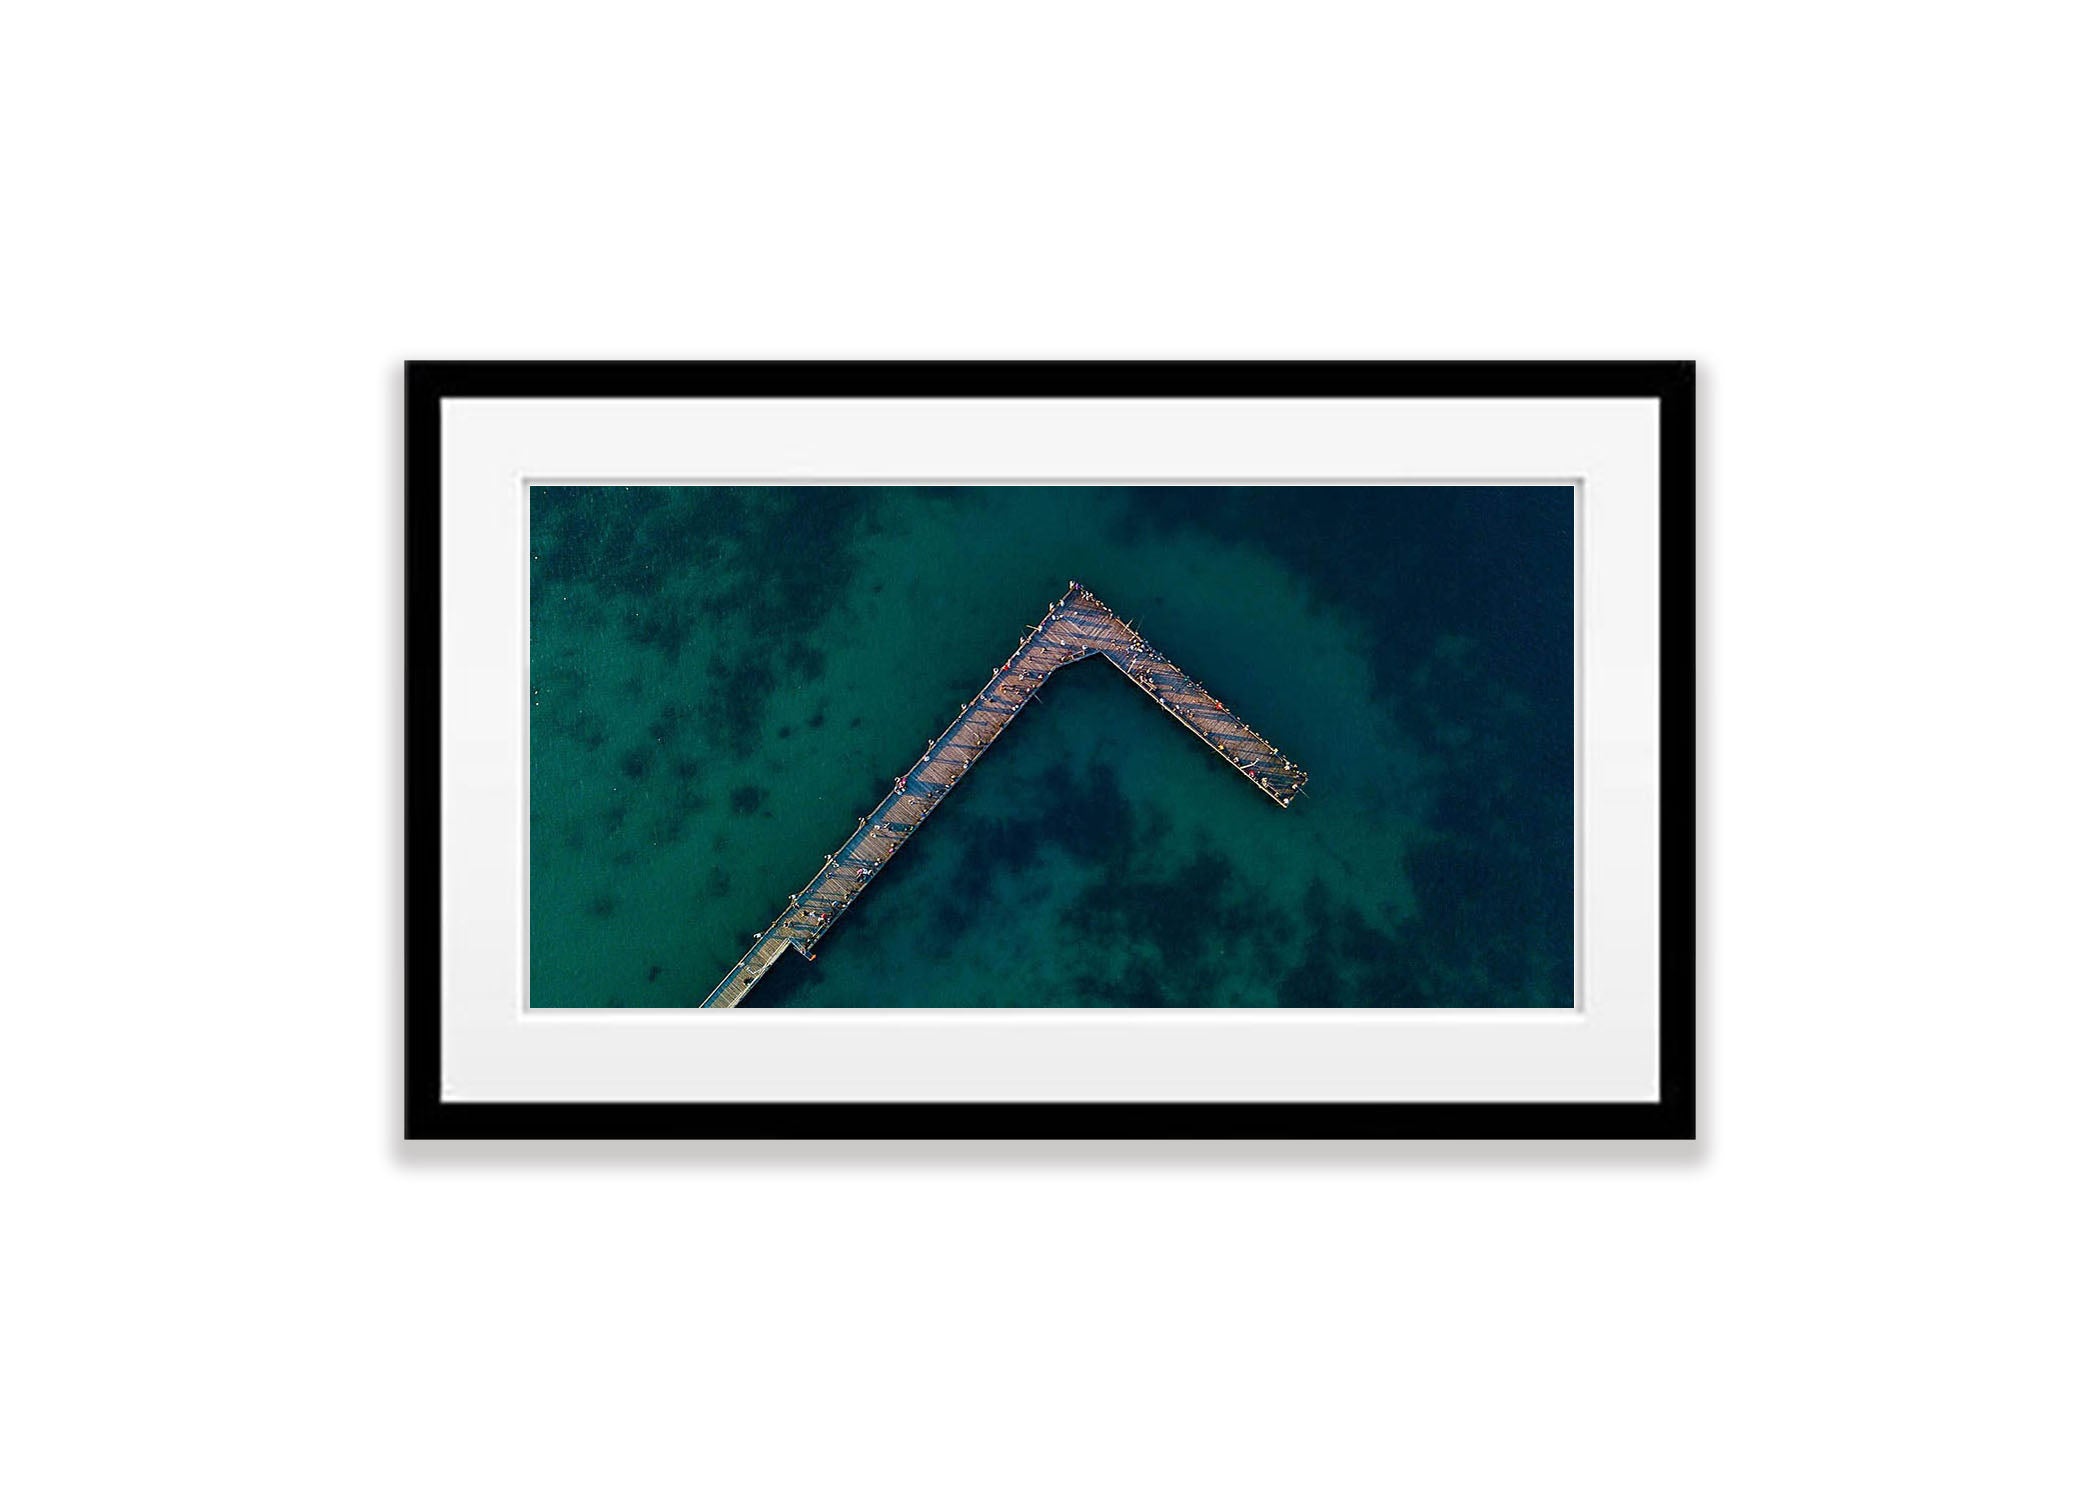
{"x": 1075, "y": 627}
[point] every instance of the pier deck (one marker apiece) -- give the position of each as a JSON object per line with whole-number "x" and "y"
{"x": 1075, "y": 627}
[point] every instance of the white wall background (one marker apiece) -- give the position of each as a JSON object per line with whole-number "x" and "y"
{"x": 225, "y": 225}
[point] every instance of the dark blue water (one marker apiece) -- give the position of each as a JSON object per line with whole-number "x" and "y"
{"x": 724, "y": 680}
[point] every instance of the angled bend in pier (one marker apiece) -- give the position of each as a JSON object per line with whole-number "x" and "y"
{"x": 1077, "y": 626}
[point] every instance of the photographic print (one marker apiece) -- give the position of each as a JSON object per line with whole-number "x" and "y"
{"x": 1049, "y": 749}
{"x": 1161, "y": 746}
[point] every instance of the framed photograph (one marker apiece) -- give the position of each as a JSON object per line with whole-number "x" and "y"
{"x": 1007, "y": 750}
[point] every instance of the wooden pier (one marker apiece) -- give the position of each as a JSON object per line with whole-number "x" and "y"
{"x": 1075, "y": 627}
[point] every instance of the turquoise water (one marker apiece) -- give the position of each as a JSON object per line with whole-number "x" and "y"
{"x": 723, "y": 680}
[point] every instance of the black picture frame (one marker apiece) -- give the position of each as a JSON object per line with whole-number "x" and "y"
{"x": 1671, "y": 1116}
